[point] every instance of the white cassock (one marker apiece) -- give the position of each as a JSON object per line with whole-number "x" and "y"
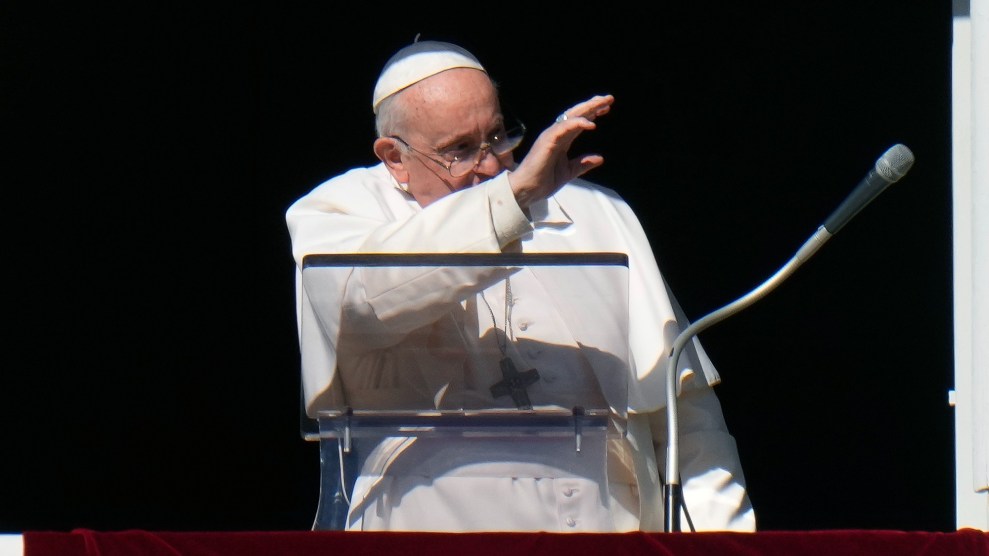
{"x": 421, "y": 332}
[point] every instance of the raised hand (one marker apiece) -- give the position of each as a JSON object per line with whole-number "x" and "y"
{"x": 548, "y": 164}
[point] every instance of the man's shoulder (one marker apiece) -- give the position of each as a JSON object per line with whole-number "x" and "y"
{"x": 355, "y": 183}
{"x": 376, "y": 175}
{"x": 358, "y": 190}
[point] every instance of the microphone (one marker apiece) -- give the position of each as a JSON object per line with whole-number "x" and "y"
{"x": 890, "y": 167}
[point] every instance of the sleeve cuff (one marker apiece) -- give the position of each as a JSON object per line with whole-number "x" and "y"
{"x": 509, "y": 222}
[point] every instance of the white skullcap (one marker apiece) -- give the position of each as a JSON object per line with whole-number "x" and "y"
{"x": 416, "y": 62}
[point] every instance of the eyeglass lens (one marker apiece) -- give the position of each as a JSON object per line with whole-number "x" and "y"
{"x": 501, "y": 144}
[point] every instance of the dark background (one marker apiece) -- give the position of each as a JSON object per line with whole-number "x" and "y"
{"x": 150, "y": 361}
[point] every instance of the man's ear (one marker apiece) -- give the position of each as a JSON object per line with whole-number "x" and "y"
{"x": 390, "y": 152}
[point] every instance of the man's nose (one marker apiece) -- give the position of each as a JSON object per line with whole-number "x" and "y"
{"x": 488, "y": 164}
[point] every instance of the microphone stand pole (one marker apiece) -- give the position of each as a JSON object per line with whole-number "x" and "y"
{"x": 673, "y": 491}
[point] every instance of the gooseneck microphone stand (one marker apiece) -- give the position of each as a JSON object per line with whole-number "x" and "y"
{"x": 673, "y": 491}
{"x": 889, "y": 168}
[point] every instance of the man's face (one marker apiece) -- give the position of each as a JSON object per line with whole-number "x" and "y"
{"x": 454, "y": 111}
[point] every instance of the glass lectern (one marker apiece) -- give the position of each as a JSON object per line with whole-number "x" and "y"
{"x": 450, "y": 362}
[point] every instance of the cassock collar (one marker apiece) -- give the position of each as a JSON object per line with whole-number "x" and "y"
{"x": 547, "y": 212}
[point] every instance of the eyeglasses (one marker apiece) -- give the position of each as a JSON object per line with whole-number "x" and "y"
{"x": 461, "y": 160}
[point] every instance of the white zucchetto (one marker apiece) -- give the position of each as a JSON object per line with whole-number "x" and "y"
{"x": 416, "y": 62}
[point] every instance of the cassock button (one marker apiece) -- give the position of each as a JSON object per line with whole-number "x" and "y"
{"x": 571, "y": 522}
{"x": 523, "y": 326}
{"x": 569, "y": 492}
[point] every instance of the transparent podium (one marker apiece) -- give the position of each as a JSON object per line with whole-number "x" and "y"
{"x": 425, "y": 370}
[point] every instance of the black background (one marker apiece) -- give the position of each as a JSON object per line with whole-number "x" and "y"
{"x": 150, "y": 360}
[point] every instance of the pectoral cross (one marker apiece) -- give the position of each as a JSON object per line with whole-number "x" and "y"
{"x": 514, "y": 384}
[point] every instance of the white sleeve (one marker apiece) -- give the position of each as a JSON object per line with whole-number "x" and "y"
{"x": 360, "y": 212}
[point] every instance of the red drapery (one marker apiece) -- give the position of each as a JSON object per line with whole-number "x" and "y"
{"x": 84, "y": 542}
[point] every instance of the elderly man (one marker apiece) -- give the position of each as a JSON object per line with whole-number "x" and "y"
{"x": 448, "y": 182}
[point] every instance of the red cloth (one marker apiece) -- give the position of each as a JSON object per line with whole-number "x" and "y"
{"x": 85, "y": 542}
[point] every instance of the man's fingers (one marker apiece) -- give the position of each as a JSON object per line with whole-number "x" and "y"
{"x": 589, "y": 109}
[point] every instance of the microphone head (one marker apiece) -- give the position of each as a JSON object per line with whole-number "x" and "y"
{"x": 894, "y": 163}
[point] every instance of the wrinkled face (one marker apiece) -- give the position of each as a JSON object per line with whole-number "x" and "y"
{"x": 447, "y": 114}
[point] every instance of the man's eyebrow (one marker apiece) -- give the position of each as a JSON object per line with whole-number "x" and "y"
{"x": 496, "y": 126}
